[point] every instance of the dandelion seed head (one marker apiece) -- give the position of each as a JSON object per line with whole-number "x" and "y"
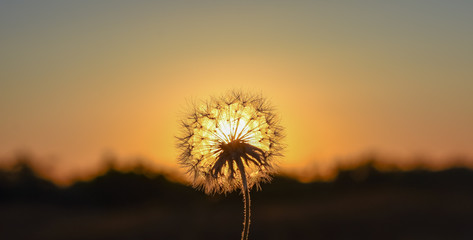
{"x": 226, "y": 133}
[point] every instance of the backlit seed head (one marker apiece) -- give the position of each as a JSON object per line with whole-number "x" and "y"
{"x": 228, "y": 133}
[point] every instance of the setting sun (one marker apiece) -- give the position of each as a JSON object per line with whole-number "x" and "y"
{"x": 228, "y": 133}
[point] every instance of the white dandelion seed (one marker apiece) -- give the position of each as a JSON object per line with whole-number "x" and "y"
{"x": 231, "y": 142}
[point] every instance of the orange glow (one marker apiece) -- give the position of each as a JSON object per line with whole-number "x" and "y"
{"x": 344, "y": 80}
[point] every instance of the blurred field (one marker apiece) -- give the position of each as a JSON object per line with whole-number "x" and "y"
{"x": 362, "y": 203}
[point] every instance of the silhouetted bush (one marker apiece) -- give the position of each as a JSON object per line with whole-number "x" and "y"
{"x": 361, "y": 203}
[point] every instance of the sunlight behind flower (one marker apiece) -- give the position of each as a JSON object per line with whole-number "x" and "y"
{"x": 238, "y": 125}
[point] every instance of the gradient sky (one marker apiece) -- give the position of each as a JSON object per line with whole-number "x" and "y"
{"x": 83, "y": 79}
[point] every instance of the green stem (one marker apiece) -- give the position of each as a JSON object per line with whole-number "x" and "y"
{"x": 247, "y": 201}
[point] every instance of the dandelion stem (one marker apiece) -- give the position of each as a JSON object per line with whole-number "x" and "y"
{"x": 247, "y": 201}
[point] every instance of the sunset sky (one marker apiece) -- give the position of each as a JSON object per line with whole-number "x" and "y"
{"x": 80, "y": 80}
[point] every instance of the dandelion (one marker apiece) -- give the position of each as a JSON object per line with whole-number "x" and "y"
{"x": 231, "y": 142}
